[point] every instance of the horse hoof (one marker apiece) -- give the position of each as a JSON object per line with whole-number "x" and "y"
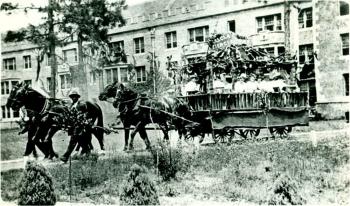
{"x": 125, "y": 149}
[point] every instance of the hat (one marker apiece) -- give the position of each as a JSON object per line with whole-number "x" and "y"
{"x": 74, "y": 93}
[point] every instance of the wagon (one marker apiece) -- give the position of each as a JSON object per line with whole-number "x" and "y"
{"x": 237, "y": 116}
{"x": 229, "y": 115}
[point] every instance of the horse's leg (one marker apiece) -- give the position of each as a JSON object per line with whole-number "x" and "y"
{"x": 72, "y": 143}
{"x": 99, "y": 137}
{"x": 133, "y": 133}
{"x": 143, "y": 134}
{"x": 126, "y": 136}
{"x": 48, "y": 141}
{"x": 30, "y": 147}
{"x": 39, "y": 137}
{"x": 164, "y": 127}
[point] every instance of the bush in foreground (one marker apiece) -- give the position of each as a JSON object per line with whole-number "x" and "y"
{"x": 169, "y": 161}
{"x": 138, "y": 189}
{"x": 36, "y": 186}
{"x": 284, "y": 192}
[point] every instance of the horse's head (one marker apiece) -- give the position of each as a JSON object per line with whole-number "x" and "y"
{"x": 18, "y": 96}
{"x": 110, "y": 91}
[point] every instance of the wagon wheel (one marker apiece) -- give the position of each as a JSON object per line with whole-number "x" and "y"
{"x": 249, "y": 133}
{"x": 224, "y": 136}
{"x": 281, "y": 132}
{"x": 189, "y": 137}
{"x": 216, "y": 135}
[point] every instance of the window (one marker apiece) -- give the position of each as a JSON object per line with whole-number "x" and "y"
{"x": 49, "y": 87}
{"x": 345, "y": 43}
{"x": 269, "y": 23}
{"x": 6, "y": 86}
{"x": 124, "y": 74}
{"x": 306, "y": 53}
{"x": 170, "y": 39}
{"x": 346, "y": 81}
{"x": 281, "y": 50}
{"x": 112, "y": 75}
{"x": 270, "y": 50}
{"x": 117, "y": 46}
{"x": 305, "y": 18}
{"x": 199, "y": 34}
{"x": 27, "y": 62}
{"x": 139, "y": 45}
{"x": 28, "y": 82}
{"x": 344, "y": 8}
{"x": 7, "y": 111}
{"x": 70, "y": 55}
{"x": 117, "y": 74}
{"x": 92, "y": 77}
{"x": 232, "y": 26}
{"x": 9, "y": 64}
{"x": 65, "y": 81}
{"x": 141, "y": 75}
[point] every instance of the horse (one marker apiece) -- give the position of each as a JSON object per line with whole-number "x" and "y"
{"x": 49, "y": 114}
{"x": 138, "y": 110}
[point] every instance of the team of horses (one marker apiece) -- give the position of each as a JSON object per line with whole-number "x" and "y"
{"x": 47, "y": 116}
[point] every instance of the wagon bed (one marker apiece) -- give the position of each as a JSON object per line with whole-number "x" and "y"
{"x": 246, "y": 113}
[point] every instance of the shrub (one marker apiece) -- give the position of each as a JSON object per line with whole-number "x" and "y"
{"x": 170, "y": 161}
{"x": 284, "y": 191}
{"x": 138, "y": 189}
{"x": 36, "y": 186}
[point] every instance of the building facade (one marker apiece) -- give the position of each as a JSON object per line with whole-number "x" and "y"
{"x": 167, "y": 29}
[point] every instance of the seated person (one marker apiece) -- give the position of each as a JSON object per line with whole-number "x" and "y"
{"x": 191, "y": 87}
{"x": 266, "y": 85}
{"x": 278, "y": 84}
{"x": 240, "y": 84}
{"x": 218, "y": 84}
{"x": 251, "y": 85}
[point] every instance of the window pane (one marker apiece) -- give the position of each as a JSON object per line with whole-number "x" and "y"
{"x": 7, "y": 88}
{"x": 62, "y": 82}
{"x": 174, "y": 39}
{"x": 232, "y": 26}
{"x": 8, "y": 111}
{"x": 191, "y": 31}
{"x": 68, "y": 81}
{"x": 15, "y": 113}
{"x": 344, "y": 8}
{"x": 3, "y": 109}
{"x": 142, "y": 45}
{"x": 123, "y": 74}
{"x": 199, "y": 34}
{"x": 115, "y": 75}
{"x": 108, "y": 76}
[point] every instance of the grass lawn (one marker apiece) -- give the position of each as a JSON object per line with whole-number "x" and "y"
{"x": 236, "y": 173}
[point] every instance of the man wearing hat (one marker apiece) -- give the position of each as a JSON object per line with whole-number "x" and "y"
{"x": 77, "y": 132}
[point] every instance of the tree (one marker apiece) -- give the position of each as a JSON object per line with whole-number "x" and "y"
{"x": 88, "y": 20}
{"x": 42, "y": 35}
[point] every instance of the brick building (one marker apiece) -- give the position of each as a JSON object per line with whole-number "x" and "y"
{"x": 166, "y": 27}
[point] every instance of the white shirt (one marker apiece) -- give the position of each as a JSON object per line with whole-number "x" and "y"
{"x": 251, "y": 86}
{"x": 191, "y": 86}
{"x": 265, "y": 86}
{"x": 239, "y": 86}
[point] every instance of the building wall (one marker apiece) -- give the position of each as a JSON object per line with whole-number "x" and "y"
{"x": 330, "y": 64}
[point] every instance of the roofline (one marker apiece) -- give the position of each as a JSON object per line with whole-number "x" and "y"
{"x": 195, "y": 18}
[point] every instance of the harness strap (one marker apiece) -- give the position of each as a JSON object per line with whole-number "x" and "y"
{"x": 44, "y": 107}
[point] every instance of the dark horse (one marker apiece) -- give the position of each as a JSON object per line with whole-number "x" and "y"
{"x": 47, "y": 118}
{"x": 138, "y": 110}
